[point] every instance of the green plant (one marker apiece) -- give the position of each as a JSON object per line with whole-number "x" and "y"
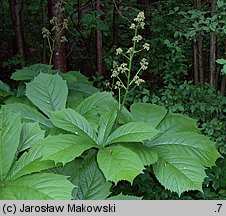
{"x": 87, "y": 131}
{"x": 20, "y": 176}
{"x": 120, "y": 146}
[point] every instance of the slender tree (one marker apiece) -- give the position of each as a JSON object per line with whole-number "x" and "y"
{"x": 56, "y": 12}
{"x": 213, "y": 41}
{"x": 200, "y": 47}
{"x": 116, "y": 22}
{"x": 15, "y": 9}
{"x": 99, "y": 42}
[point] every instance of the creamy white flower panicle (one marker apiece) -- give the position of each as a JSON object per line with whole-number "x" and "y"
{"x": 119, "y": 51}
{"x": 114, "y": 73}
{"x": 144, "y": 64}
{"x": 123, "y": 68}
{"x": 138, "y": 80}
{"x": 140, "y": 17}
{"x": 133, "y": 26}
{"x": 146, "y": 46}
{"x": 137, "y": 38}
{"x": 130, "y": 50}
{"x": 142, "y": 24}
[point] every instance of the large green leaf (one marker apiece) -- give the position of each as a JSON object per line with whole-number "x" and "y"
{"x": 28, "y": 73}
{"x": 41, "y": 186}
{"x": 174, "y": 123}
{"x": 94, "y": 101}
{"x": 83, "y": 88}
{"x": 119, "y": 163}
{"x": 29, "y": 162}
{"x": 147, "y": 155}
{"x": 149, "y": 113}
{"x": 179, "y": 173}
{"x": 48, "y": 92}
{"x": 30, "y": 134}
{"x": 92, "y": 184}
{"x": 99, "y": 103}
{"x": 72, "y": 170}
{"x": 64, "y": 148}
{"x": 132, "y": 132}
{"x": 29, "y": 114}
{"x": 193, "y": 145}
{"x": 107, "y": 121}
{"x": 72, "y": 121}
{"x": 75, "y": 77}
{"x": 10, "y": 128}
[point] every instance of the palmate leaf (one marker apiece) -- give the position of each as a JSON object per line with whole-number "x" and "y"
{"x": 29, "y": 114}
{"x": 48, "y": 92}
{"x": 28, "y": 73}
{"x": 72, "y": 121}
{"x": 132, "y": 132}
{"x": 107, "y": 121}
{"x": 92, "y": 184}
{"x": 30, "y": 134}
{"x": 10, "y": 128}
{"x": 179, "y": 173}
{"x": 40, "y": 186}
{"x": 119, "y": 163}
{"x": 146, "y": 155}
{"x": 183, "y": 154}
{"x": 149, "y": 113}
{"x": 64, "y": 148}
{"x": 29, "y": 162}
{"x": 174, "y": 123}
{"x": 83, "y": 88}
{"x": 194, "y": 145}
{"x": 99, "y": 103}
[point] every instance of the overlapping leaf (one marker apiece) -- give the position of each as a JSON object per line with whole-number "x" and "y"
{"x": 179, "y": 173}
{"x": 72, "y": 121}
{"x": 119, "y": 163}
{"x": 28, "y": 73}
{"x": 29, "y": 114}
{"x": 92, "y": 184}
{"x": 194, "y": 145}
{"x": 40, "y": 186}
{"x": 48, "y": 92}
{"x": 132, "y": 132}
{"x": 149, "y": 113}
{"x": 64, "y": 148}
{"x": 106, "y": 123}
{"x": 29, "y": 162}
{"x": 99, "y": 103}
{"x": 30, "y": 134}
{"x": 147, "y": 155}
{"x": 10, "y": 128}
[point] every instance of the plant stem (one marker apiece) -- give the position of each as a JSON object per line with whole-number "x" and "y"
{"x": 129, "y": 73}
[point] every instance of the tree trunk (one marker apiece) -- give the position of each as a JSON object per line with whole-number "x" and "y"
{"x": 116, "y": 23}
{"x": 99, "y": 43}
{"x": 59, "y": 32}
{"x": 44, "y": 24}
{"x": 195, "y": 61}
{"x": 213, "y": 50}
{"x": 200, "y": 47}
{"x": 15, "y": 9}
